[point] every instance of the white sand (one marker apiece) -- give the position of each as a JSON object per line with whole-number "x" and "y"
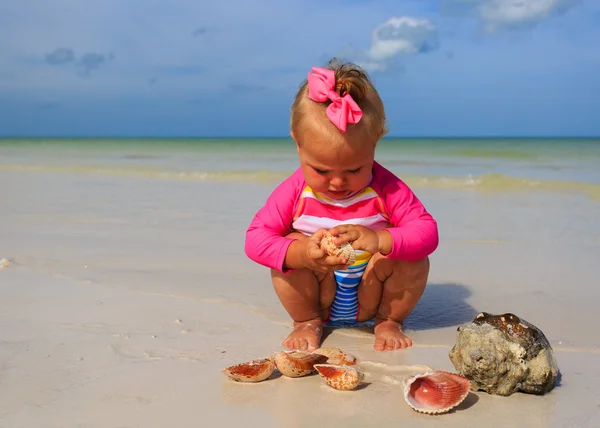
{"x": 125, "y": 298}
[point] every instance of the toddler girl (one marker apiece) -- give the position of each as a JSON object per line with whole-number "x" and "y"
{"x": 337, "y": 119}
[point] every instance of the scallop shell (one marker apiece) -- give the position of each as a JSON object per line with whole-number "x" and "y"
{"x": 252, "y": 371}
{"x": 436, "y": 392}
{"x": 343, "y": 378}
{"x": 337, "y": 357}
{"x": 297, "y": 363}
{"x": 344, "y": 250}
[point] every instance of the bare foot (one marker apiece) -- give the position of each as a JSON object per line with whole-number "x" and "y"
{"x": 306, "y": 335}
{"x": 389, "y": 336}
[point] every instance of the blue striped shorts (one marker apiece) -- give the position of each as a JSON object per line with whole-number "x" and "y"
{"x": 344, "y": 309}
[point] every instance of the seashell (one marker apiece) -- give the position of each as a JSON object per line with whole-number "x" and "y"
{"x": 336, "y": 356}
{"x": 4, "y": 263}
{"x": 343, "y": 378}
{"x": 344, "y": 250}
{"x": 503, "y": 353}
{"x": 297, "y": 363}
{"x": 252, "y": 371}
{"x": 436, "y": 391}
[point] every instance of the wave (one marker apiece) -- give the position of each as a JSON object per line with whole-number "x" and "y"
{"x": 485, "y": 183}
{"x": 155, "y": 172}
{"x": 497, "y": 154}
{"x": 499, "y": 183}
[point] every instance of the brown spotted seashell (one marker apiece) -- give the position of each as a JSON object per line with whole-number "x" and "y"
{"x": 337, "y": 357}
{"x": 344, "y": 250}
{"x": 252, "y": 371}
{"x": 436, "y": 392}
{"x": 343, "y": 378}
{"x": 297, "y": 363}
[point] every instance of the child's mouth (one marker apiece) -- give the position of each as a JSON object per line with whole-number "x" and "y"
{"x": 338, "y": 193}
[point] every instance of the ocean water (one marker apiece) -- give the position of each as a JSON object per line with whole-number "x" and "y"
{"x": 483, "y": 165}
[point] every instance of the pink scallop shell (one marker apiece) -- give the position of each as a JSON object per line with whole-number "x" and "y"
{"x": 436, "y": 392}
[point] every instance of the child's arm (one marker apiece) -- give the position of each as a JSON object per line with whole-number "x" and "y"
{"x": 295, "y": 257}
{"x": 266, "y": 237}
{"x": 414, "y": 234}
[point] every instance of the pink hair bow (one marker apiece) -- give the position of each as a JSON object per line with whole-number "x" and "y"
{"x": 342, "y": 110}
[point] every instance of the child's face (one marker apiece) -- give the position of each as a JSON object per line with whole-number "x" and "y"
{"x": 334, "y": 166}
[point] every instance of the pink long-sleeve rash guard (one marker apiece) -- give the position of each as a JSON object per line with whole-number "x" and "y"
{"x": 414, "y": 230}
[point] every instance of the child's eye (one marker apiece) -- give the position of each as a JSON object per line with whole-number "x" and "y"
{"x": 320, "y": 171}
{"x": 354, "y": 171}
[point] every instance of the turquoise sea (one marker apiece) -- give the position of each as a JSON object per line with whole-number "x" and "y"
{"x": 486, "y": 165}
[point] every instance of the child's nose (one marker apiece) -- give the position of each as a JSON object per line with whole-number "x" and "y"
{"x": 337, "y": 181}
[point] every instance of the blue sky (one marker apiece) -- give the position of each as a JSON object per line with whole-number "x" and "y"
{"x": 231, "y": 67}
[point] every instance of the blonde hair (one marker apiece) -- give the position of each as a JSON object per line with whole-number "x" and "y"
{"x": 351, "y": 79}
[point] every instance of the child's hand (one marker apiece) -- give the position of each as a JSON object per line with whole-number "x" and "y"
{"x": 318, "y": 260}
{"x": 361, "y": 237}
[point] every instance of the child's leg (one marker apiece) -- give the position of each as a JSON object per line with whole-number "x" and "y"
{"x": 390, "y": 290}
{"x": 305, "y": 295}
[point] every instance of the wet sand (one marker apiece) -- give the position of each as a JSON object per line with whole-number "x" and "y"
{"x": 125, "y": 297}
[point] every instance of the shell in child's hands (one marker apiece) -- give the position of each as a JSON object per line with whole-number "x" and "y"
{"x": 344, "y": 250}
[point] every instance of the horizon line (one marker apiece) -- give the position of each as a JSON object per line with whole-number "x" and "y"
{"x": 221, "y": 137}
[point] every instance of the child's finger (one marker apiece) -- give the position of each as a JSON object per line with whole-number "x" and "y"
{"x": 318, "y": 235}
{"x": 314, "y": 252}
{"x": 351, "y": 235}
{"x": 339, "y": 229}
{"x": 331, "y": 268}
{"x": 338, "y": 267}
{"x": 335, "y": 261}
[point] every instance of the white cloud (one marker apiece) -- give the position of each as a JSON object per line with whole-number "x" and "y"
{"x": 517, "y": 13}
{"x": 399, "y": 36}
{"x": 372, "y": 65}
{"x": 496, "y": 14}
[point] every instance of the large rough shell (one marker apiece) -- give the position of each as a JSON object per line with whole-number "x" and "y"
{"x": 252, "y": 371}
{"x": 436, "y": 392}
{"x": 503, "y": 354}
{"x": 297, "y": 363}
{"x": 343, "y": 378}
{"x": 336, "y": 356}
{"x": 344, "y": 250}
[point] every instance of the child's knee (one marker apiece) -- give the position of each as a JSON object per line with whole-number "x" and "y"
{"x": 416, "y": 268}
{"x": 289, "y": 275}
{"x": 302, "y": 276}
{"x": 405, "y": 271}
{"x": 327, "y": 289}
{"x": 290, "y": 278}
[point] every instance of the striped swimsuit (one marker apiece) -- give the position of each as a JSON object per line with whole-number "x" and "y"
{"x": 316, "y": 211}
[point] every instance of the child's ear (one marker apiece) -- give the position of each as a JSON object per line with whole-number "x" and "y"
{"x": 381, "y": 135}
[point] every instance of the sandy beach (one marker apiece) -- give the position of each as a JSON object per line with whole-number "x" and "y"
{"x": 126, "y": 296}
